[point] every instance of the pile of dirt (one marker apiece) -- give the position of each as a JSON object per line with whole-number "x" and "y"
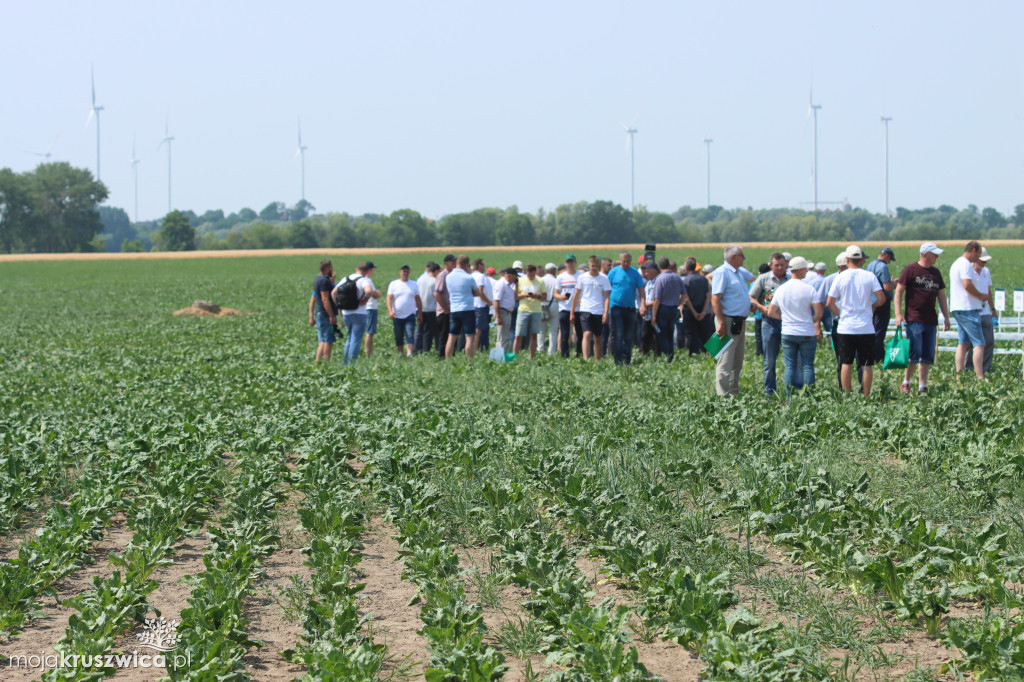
{"x": 206, "y": 309}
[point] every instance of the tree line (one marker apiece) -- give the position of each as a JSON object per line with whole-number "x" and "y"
{"x": 56, "y": 208}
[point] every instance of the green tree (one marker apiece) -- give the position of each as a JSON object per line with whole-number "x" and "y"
{"x": 64, "y": 203}
{"x": 176, "y": 233}
{"x": 992, "y": 218}
{"x": 247, "y": 215}
{"x": 1018, "y": 215}
{"x": 117, "y": 225}
{"x": 406, "y": 227}
{"x": 301, "y": 235}
{"x": 15, "y": 210}
{"x": 272, "y": 211}
{"x": 132, "y": 246}
{"x": 604, "y": 222}
{"x": 516, "y": 229}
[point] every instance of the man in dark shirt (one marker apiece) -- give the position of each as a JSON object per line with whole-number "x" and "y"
{"x": 882, "y": 314}
{"x": 325, "y": 314}
{"x": 920, "y": 285}
{"x": 698, "y": 322}
{"x": 667, "y": 297}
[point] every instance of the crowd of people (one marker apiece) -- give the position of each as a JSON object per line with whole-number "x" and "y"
{"x": 612, "y": 307}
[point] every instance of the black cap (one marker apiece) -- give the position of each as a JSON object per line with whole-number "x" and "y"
{"x": 370, "y": 265}
{"x": 404, "y": 267}
{"x": 449, "y": 258}
{"x": 889, "y": 252}
{"x": 430, "y": 264}
{"x": 649, "y": 265}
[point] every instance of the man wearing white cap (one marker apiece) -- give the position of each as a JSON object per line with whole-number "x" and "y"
{"x": 965, "y": 302}
{"x": 813, "y": 273}
{"x": 548, "y": 329}
{"x": 920, "y": 285}
{"x": 794, "y": 304}
{"x": 987, "y": 325}
{"x": 854, "y": 295}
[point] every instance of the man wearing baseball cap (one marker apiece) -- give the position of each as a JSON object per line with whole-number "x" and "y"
{"x": 548, "y": 339}
{"x": 443, "y": 298}
{"x": 987, "y": 304}
{"x": 565, "y": 287}
{"x": 828, "y": 320}
{"x": 965, "y": 301}
{"x": 880, "y": 319}
{"x": 854, "y": 295}
{"x": 919, "y": 286}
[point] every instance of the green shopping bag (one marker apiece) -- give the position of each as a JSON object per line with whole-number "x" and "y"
{"x": 897, "y": 351}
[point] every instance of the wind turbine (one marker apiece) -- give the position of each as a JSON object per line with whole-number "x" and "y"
{"x": 95, "y": 111}
{"x": 885, "y": 123}
{"x": 630, "y": 132}
{"x": 135, "y": 178}
{"x": 813, "y": 110}
{"x": 301, "y": 152}
{"x": 707, "y": 145}
{"x": 168, "y": 139}
{"x": 47, "y": 154}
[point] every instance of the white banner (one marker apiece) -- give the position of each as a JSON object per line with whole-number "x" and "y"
{"x": 1018, "y": 300}
{"x": 1000, "y": 299}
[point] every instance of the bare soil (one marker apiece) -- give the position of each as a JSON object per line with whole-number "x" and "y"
{"x": 192, "y": 311}
{"x": 387, "y": 597}
{"x": 264, "y": 253}
{"x": 41, "y": 634}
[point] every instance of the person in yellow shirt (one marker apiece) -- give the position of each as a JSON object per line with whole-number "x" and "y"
{"x": 531, "y": 294}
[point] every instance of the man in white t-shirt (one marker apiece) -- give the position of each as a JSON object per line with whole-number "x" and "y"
{"x": 591, "y": 298}
{"x": 405, "y": 308}
{"x": 372, "y": 310}
{"x": 482, "y": 304}
{"x": 984, "y": 285}
{"x": 426, "y": 333}
{"x": 549, "y": 314}
{"x": 565, "y": 287}
{"x": 795, "y": 304}
{"x": 965, "y": 303}
{"x": 853, "y": 296}
{"x": 504, "y": 303}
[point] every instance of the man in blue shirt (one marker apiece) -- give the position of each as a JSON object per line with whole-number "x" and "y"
{"x": 627, "y": 285}
{"x": 731, "y": 304}
{"x": 883, "y": 313}
{"x": 461, "y": 290}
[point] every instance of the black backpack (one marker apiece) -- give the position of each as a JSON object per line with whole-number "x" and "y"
{"x": 346, "y": 295}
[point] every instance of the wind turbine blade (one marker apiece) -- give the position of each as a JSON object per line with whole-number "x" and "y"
{"x": 624, "y": 126}
{"x": 92, "y": 112}
{"x": 92, "y": 77}
{"x": 636, "y": 116}
{"x": 297, "y": 152}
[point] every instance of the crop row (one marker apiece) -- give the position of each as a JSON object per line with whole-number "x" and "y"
{"x": 212, "y": 635}
{"x": 183, "y": 490}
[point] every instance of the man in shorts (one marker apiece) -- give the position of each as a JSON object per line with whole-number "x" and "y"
{"x": 965, "y": 301}
{"x": 443, "y": 319}
{"x": 461, "y": 289}
{"x": 918, "y": 287}
{"x": 565, "y": 287}
{"x": 323, "y": 313}
{"x": 853, "y": 296}
{"x": 591, "y": 297}
{"x": 531, "y": 295}
{"x": 405, "y": 308}
{"x": 372, "y": 310}
{"x": 987, "y": 305}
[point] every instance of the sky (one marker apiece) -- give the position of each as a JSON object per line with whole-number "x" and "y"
{"x": 448, "y": 106}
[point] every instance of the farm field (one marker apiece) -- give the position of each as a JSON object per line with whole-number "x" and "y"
{"x": 542, "y": 519}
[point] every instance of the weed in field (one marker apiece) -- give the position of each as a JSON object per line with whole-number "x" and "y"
{"x": 521, "y": 637}
{"x": 291, "y": 597}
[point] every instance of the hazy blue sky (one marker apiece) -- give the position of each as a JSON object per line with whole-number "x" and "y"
{"x": 450, "y": 106}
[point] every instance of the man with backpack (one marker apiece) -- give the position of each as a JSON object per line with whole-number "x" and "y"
{"x": 351, "y": 295}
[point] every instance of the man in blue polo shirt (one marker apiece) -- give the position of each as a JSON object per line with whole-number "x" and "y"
{"x": 627, "y": 285}
{"x": 731, "y": 304}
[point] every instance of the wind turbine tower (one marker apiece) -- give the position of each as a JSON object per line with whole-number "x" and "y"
{"x": 95, "y": 111}
{"x": 134, "y": 174}
{"x": 630, "y": 132}
{"x": 707, "y": 146}
{"x": 814, "y": 162}
{"x": 885, "y": 123}
{"x": 168, "y": 139}
{"x": 301, "y": 152}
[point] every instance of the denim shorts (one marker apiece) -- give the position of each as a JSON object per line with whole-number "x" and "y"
{"x": 371, "y": 320}
{"x": 462, "y": 322}
{"x": 324, "y": 330}
{"x": 922, "y": 342}
{"x": 483, "y": 317}
{"x": 592, "y": 322}
{"x": 968, "y": 327}
{"x": 527, "y": 323}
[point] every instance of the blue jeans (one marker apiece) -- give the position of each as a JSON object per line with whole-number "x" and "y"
{"x": 356, "y": 325}
{"x": 623, "y": 333}
{"x": 771, "y": 339}
{"x": 483, "y": 325}
{"x": 405, "y": 331}
{"x": 798, "y": 352}
{"x": 668, "y": 316}
{"x": 324, "y": 330}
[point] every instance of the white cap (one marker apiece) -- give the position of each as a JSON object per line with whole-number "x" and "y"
{"x": 821, "y": 266}
{"x": 984, "y": 255}
{"x": 930, "y": 247}
{"x": 799, "y": 263}
{"x": 841, "y": 259}
{"x": 854, "y": 252}
{"x": 550, "y": 266}
{"x": 787, "y": 255}
{"x": 518, "y": 265}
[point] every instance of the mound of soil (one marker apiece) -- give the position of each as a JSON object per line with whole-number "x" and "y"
{"x": 200, "y": 312}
